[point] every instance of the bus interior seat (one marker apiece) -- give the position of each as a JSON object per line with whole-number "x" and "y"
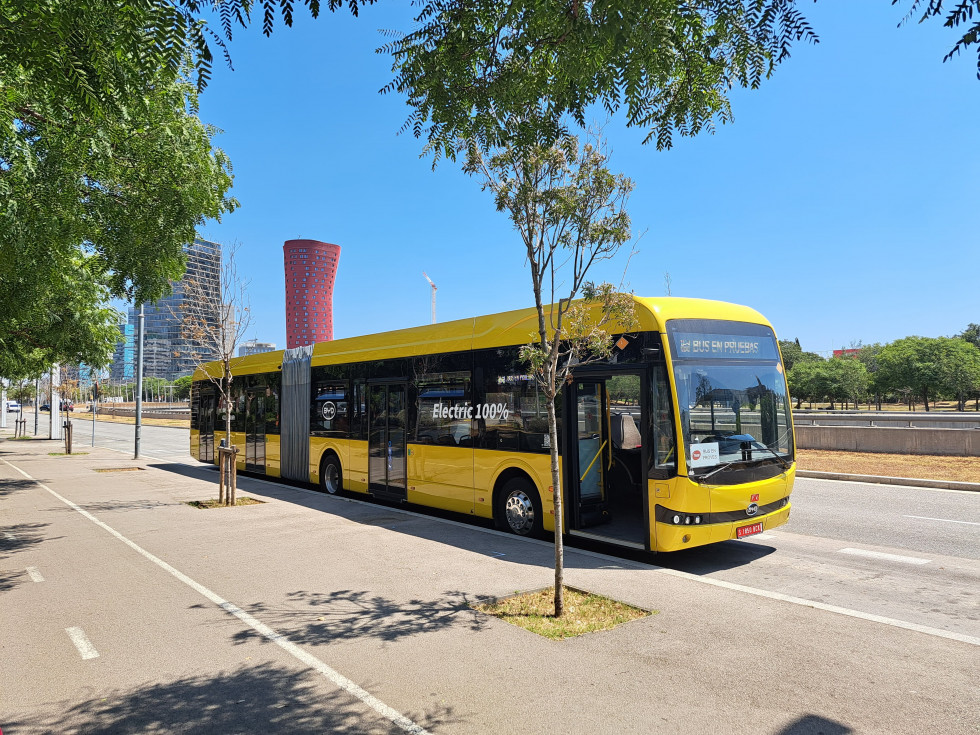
{"x": 625, "y": 435}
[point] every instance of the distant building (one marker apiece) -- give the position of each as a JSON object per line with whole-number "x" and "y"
{"x": 254, "y": 347}
{"x": 310, "y": 267}
{"x": 123, "y": 369}
{"x": 846, "y": 353}
{"x": 167, "y": 352}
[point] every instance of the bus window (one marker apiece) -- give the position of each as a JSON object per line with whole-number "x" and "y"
{"x": 328, "y": 409}
{"x": 512, "y": 411}
{"x": 445, "y": 409}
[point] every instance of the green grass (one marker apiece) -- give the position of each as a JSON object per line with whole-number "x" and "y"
{"x": 584, "y": 612}
{"x": 215, "y": 503}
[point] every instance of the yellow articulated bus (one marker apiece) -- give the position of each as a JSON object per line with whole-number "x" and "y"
{"x": 683, "y": 437}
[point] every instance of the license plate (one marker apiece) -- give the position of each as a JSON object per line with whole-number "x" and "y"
{"x": 743, "y": 531}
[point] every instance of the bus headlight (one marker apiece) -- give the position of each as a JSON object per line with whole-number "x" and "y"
{"x": 677, "y": 519}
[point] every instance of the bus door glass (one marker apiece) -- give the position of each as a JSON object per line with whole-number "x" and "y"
{"x": 386, "y": 439}
{"x": 255, "y": 430}
{"x": 607, "y": 454}
{"x": 590, "y": 442}
{"x": 208, "y": 406}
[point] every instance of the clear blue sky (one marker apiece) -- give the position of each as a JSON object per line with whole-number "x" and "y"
{"x": 841, "y": 203}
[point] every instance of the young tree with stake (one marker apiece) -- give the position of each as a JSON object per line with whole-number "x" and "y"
{"x": 213, "y": 324}
{"x": 570, "y": 212}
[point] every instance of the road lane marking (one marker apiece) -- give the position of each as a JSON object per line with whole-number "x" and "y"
{"x": 882, "y": 555}
{"x": 10, "y": 537}
{"x": 278, "y": 638}
{"x": 34, "y": 574}
{"x": 82, "y": 643}
{"x": 944, "y": 520}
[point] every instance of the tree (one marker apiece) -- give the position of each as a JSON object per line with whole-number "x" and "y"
{"x": 868, "y": 356}
{"x": 961, "y": 14}
{"x": 910, "y": 367}
{"x": 971, "y": 334}
{"x": 475, "y": 70}
{"x": 792, "y": 353}
{"x": 215, "y": 321}
{"x": 182, "y": 388}
{"x": 570, "y": 212}
{"x": 959, "y": 368}
{"x": 846, "y": 379}
{"x": 100, "y": 194}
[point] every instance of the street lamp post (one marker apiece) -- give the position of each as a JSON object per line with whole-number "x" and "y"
{"x": 139, "y": 382}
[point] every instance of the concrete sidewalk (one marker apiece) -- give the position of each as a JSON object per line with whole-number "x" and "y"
{"x": 381, "y": 598}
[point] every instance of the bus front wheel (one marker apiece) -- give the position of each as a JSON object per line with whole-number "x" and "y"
{"x": 331, "y": 477}
{"x": 519, "y": 508}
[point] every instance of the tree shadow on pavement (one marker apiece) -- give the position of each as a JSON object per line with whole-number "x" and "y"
{"x": 21, "y": 536}
{"x": 14, "y": 538}
{"x": 9, "y": 487}
{"x": 260, "y": 699}
{"x": 815, "y": 725}
{"x": 326, "y": 617}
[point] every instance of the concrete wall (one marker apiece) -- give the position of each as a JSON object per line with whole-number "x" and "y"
{"x": 953, "y": 442}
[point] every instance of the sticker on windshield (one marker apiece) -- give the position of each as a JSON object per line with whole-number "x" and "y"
{"x": 704, "y": 455}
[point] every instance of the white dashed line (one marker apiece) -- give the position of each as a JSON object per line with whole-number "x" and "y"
{"x": 82, "y": 643}
{"x": 882, "y": 555}
{"x": 88, "y": 651}
{"x": 944, "y": 520}
{"x": 34, "y": 574}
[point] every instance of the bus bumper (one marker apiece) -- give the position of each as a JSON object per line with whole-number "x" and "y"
{"x": 673, "y": 538}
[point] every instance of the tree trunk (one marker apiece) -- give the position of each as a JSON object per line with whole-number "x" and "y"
{"x": 925, "y": 398}
{"x": 557, "y": 497}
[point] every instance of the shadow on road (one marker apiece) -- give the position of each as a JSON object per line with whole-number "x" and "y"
{"x": 371, "y": 512}
{"x": 815, "y": 725}
{"x": 714, "y": 557}
{"x": 261, "y": 699}
{"x": 14, "y": 538}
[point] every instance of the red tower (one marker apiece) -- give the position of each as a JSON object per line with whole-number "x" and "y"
{"x": 311, "y": 267}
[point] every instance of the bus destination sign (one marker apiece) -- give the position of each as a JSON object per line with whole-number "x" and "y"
{"x": 724, "y": 346}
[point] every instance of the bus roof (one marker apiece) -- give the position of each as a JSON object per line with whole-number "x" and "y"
{"x": 493, "y": 330}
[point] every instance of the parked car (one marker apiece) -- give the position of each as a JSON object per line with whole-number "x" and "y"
{"x": 45, "y": 407}
{"x": 13, "y": 407}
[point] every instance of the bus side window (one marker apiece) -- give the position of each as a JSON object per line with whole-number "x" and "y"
{"x": 358, "y": 419}
{"x": 664, "y": 441}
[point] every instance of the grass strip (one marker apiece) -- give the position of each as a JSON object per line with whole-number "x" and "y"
{"x": 585, "y": 612}
{"x": 215, "y": 503}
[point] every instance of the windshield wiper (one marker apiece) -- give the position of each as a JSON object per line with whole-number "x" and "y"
{"x": 773, "y": 452}
{"x": 715, "y": 471}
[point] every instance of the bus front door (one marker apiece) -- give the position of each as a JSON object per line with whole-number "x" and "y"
{"x": 589, "y": 444}
{"x": 387, "y": 407}
{"x": 605, "y": 482}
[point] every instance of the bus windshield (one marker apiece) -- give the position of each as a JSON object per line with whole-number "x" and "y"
{"x": 732, "y": 397}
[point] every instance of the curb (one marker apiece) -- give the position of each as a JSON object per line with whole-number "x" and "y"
{"x": 881, "y": 480}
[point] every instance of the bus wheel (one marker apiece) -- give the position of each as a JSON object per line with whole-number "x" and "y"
{"x": 331, "y": 478}
{"x": 519, "y": 509}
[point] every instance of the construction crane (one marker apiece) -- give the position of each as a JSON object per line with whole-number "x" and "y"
{"x": 433, "y": 297}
